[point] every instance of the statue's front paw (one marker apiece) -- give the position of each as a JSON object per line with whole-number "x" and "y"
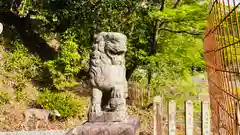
{"x": 116, "y": 94}
{"x": 96, "y": 109}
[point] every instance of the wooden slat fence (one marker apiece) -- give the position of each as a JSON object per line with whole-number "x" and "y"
{"x": 137, "y": 95}
{"x": 158, "y": 126}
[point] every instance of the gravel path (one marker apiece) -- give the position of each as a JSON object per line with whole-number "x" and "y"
{"x": 50, "y": 132}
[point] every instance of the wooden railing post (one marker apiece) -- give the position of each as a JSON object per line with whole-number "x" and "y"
{"x": 189, "y": 117}
{"x": 172, "y": 118}
{"x": 157, "y": 115}
{"x": 205, "y": 118}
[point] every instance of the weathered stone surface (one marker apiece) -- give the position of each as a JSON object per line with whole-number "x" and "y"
{"x": 131, "y": 127}
{"x": 108, "y": 111}
{"x": 1, "y": 28}
{"x": 107, "y": 77}
{"x": 107, "y": 116}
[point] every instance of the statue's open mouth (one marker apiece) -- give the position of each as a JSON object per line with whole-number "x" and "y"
{"x": 120, "y": 52}
{"x": 116, "y": 52}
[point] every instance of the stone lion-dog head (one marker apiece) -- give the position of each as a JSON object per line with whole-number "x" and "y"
{"x": 110, "y": 47}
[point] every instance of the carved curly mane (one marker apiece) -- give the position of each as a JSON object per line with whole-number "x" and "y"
{"x": 108, "y": 75}
{"x": 105, "y": 51}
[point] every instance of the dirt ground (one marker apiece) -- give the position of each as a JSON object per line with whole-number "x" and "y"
{"x": 11, "y": 119}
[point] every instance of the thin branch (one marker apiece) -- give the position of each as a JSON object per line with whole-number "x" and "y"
{"x": 182, "y": 31}
{"x": 31, "y": 40}
{"x": 157, "y": 1}
{"x": 132, "y": 28}
{"x": 162, "y": 5}
{"x": 128, "y": 15}
{"x": 15, "y": 5}
{"x": 176, "y": 4}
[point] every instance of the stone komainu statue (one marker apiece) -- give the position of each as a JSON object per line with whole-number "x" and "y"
{"x": 107, "y": 77}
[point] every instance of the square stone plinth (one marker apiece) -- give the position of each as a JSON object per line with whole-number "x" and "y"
{"x": 131, "y": 127}
{"x": 108, "y": 117}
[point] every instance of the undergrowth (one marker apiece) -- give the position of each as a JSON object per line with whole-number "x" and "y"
{"x": 22, "y": 63}
{"x": 65, "y": 67}
{"x": 4, "y": 98}
{"x": 61, "y": 73}
{"x": 56, "y": 74}
{"x": 68, "y": 104}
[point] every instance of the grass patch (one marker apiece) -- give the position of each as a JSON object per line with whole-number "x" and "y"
{"x": 68, "y": 104}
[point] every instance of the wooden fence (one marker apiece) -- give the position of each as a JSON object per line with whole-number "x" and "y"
{"x": 159, "y": 128}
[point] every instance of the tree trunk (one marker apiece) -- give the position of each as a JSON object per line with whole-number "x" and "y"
{"x": 149, "y": 86}
{"x": 31, "y": 40}
{"x": 130, "y": 71}
{"x": 152, "y": 51}
{"x": 15, "y": 5}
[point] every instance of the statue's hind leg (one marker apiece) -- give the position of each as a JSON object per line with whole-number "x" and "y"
{"x": 118, "y": 103}
{"x": 105, "y": 100}
{"x": 96, "y": 101}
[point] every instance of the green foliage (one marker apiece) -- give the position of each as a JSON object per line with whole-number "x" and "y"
{"x": 21, "y": 96}
{"x": 4, "y": 98}
{"x": 64, "y": 69}
{"x": 66, "y": 103}
{"x": 183, "y": 90}
{"x": 179, "y": 90}
{"x": 175, "y": 39}
{"x": 24, "y": 66}
{"x": 19, "y": 61}
{"x": 166, "y": 42}
{"x": 174, "y": 62}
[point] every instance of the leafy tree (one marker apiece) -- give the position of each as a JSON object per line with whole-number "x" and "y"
{"x": 162, "y": 34}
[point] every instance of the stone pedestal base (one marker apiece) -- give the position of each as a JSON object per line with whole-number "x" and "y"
{"x": 131, "y": 127}
{"x": 108, "y": 117}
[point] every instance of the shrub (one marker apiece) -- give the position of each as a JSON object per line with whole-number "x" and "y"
{"x": 4, "y": 98}
{"x": 68, "y": 104}
{"x": 66, "y": 66}
{"x": 21, "y": 62}
{"x": 21, "y": 96}
{"x": 23, "y": 65}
